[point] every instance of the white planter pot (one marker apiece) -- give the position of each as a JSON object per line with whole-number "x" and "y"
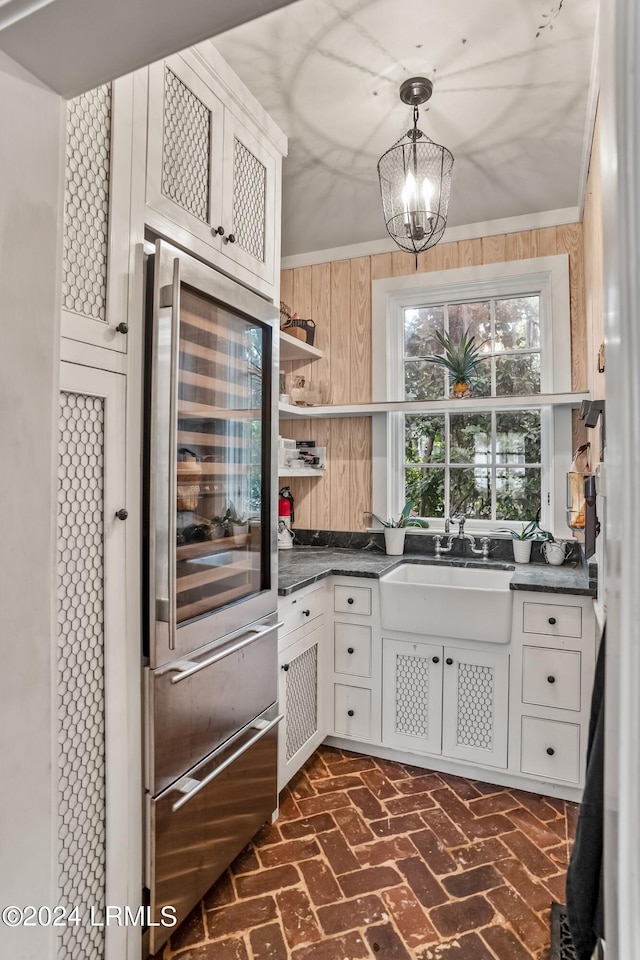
{"x": 394, "y": 540}
{"x": 522, "y": 551}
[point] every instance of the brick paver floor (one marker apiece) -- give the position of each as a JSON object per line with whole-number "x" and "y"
{"x": 374, "y": 859}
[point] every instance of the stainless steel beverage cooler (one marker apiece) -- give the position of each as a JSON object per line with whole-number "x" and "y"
{"x": 211, "y": 632}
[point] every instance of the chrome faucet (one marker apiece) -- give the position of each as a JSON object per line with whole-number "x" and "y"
{"x": 482, "y": 551}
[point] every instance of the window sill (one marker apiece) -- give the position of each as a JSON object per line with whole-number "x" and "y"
{"x": 289, "y": 411}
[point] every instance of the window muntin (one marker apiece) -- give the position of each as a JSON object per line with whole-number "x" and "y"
{"x": 507, "y": 328}
{"x": 487, "y": 465}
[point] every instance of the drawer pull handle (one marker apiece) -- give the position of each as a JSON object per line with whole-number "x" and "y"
{"x": 349, "y": 600}
{"x": 551, "y": 679}
{"x": 552, "y": 620}
{"x": 351, "y": 713}
{"x": 449, "y": 660}
{"x": 285, "y": 667}
{"x": 350, "y": 650}
{"x": 306, "y": 613}
{"x": 550, "y": 751}
{"x": 436, "y": 659}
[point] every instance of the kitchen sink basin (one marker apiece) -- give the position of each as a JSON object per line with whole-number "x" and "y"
{"x": 462, "y": 603}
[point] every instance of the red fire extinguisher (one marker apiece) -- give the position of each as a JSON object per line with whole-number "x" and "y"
{"x": 285, "y": 518}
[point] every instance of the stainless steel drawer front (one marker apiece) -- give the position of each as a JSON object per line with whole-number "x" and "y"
{"x": 197, "y": 704}
{"x": 201, "y": 823}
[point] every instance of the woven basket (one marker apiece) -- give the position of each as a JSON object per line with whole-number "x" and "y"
{"x": 301, "y": 329}
{"x": 189, "y": 473}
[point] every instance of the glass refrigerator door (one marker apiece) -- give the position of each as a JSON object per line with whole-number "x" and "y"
{"x": 219, "y": 468}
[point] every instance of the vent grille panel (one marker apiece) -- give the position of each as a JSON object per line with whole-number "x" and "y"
{"x": 302, "y": 700}
{"x": 86, "y": 204}
{"x": 186, "y": 148}
{"x": 81, "y": 704}
{"x": 249, "y": 201}
{"x": 412, "y": 696}
{"x": 475, "y": 706}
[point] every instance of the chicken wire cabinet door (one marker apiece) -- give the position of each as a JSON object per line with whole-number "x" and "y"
{"x": 475, "y": 706}
{"x": 184, "y": 151}
{"x": 95, "y": 231}
{"x": 300, "y": 697}
{"x": 213, "y": 180}
{"x": 249, "y": 200}
{"x": 412, "y": 696}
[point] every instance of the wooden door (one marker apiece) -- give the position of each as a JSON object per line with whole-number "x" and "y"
{"x": 475, "y": 706}
{"x": 412, "y": 696}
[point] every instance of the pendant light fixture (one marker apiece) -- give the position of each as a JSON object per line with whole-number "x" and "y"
{"x": 415, "y": 180}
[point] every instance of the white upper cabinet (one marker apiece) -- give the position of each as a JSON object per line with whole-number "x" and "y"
{"x": 214, "y": 165}
{"x": 95, "y": 267}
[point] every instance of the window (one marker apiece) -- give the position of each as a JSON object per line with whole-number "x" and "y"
{"x": 492, "y": 464}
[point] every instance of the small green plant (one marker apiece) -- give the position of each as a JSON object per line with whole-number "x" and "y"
{"x": 405, "y": 519}
{"x": 232, "y": 515}
{"x": 461, "y": 358}
{"x": 530, "y": 531}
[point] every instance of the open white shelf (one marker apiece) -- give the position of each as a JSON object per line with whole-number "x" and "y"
{"x": 303, "y": 472}
{"x": 293, "y": 349}
{"x": 474, "y": 405}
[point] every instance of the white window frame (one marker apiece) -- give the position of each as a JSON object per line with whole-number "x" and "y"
{"x": 546, "y": 277}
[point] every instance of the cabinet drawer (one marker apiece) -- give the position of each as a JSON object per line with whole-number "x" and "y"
{"x": 295, "y": 611}
{"x": 550, "y": 749}
{"x": 551, "y": 678}
{"x": 552, "y": 619}
{"x": 352, "y": 711}
{"x": 352, "y": 600}
{"x": 352, "y": 649}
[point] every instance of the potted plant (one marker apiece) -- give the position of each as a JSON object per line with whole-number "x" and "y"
{"x": 461, "y": 358}
{"x": 395, "y": 529}
{"x": 522, "y": 540}
{"x": 237, "y": 525}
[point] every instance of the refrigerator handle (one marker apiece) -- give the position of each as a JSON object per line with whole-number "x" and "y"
{"x": 192, "y": 786}
{"x": 170, "y": 296}
{"x": 187, "y": 667}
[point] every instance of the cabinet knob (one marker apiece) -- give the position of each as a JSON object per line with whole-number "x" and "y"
{"x": 349, "y": 600}
{"x": 449, "y": 660}
{"x": 551, "y": 679}
{"x": 231, "y": 238}
{"x": 122, "y": 514}
{"x": 122, "y": 327}
{"x": 285, "y": 667}
{"x": 350, "y": 713}
{"x": 435, "y": 659}
{"x": 550, "y": 751}
{"x": 350, "y": 650}
{"x": 552, "y": 620}
{"x": 306, "y": 613}
{"x": 219, "y": 231}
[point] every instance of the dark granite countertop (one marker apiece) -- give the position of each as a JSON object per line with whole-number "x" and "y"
{"x": 305, "y": 565}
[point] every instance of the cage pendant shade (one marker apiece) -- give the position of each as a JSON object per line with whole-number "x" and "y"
{"x": 415, "y": 184}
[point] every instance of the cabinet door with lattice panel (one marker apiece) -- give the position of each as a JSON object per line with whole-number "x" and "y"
{"x": 184, "y": 151}
{"x": 97, "y": 202}
{"x": 412, "y": 695}
{"x": 475, "y": 706}
{"x": 300, "y": 697}
{"x": 249, "y": 199}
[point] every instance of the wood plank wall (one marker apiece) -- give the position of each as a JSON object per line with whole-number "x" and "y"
{"x": 338, "y": 297}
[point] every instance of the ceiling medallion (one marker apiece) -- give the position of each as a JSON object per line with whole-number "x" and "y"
{"x": 415, "y": 180}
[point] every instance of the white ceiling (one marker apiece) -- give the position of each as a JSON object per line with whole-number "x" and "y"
{"x": 75, "y": 45}
{"x": 512, "y": 107}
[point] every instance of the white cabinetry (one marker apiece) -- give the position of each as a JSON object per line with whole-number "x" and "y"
{"x": 552, "y": 668}
{"x": 214, "y": 162}
{"x": 355, "y": 694}
{"x": 301, "y": 670}
{"x": 446, "y": 700}
{"x": 96, "y": 250}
